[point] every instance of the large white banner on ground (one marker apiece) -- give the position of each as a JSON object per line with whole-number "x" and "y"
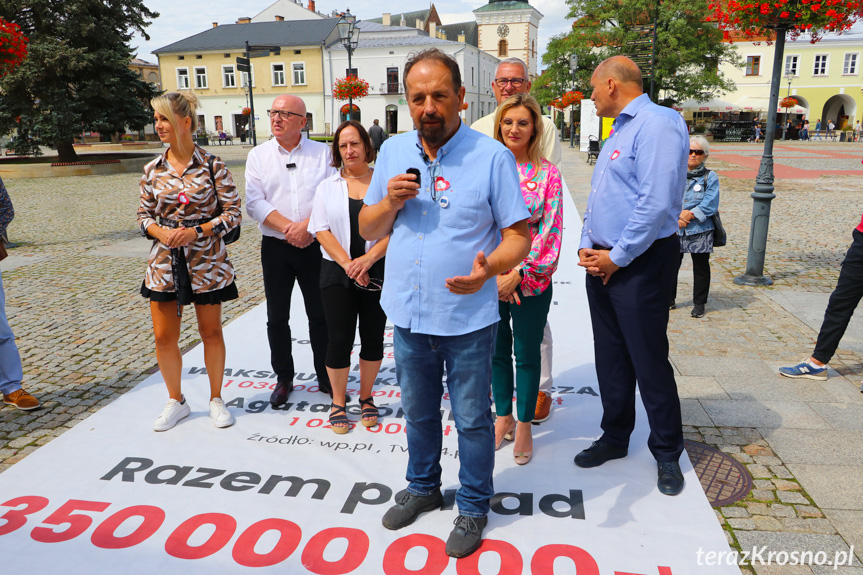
{"x": 279, "y": 492}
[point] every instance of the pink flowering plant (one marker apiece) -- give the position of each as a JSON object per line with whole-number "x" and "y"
{"x": 753, "y": 20}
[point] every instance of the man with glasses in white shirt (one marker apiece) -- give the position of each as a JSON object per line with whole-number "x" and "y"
{"x": 281, "y": 177}
{"x": 511, "y": 77}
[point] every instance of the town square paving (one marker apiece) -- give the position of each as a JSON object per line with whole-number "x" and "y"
{"x": 85, "y": 334}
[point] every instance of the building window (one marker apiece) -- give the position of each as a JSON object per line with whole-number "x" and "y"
{"x": 229, "y": 79}
{"x": 820, "y": 68}
{"x": 351, "y": 72}
{"x": 247, "y": 80}
{"x": 392, "y": 80}
{"x": 850, "y": 66}
{"x": 502, "y": 47}
{"x": 298, "y": 51}
{"x": 278, "y": 74}
{"x": 201, "y": 78}
{"x": 182, "y": 78}
{"x": 310, "y": 122}
{"x": 181, "y": 57}
{"x": 790, "y": 65}
{"x": 753, "y": 65}
{"x": 298, "y": 70}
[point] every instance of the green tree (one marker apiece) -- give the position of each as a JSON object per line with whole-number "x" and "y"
{"x": 689, "y": 49}
{"x": 76, "y": 76}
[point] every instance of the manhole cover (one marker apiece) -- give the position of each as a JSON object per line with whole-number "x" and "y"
{"x": 723, "y": 478}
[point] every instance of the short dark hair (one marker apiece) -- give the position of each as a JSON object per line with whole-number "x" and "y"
{"x": 437, "y": 56}
{"x": 364, "y": 136}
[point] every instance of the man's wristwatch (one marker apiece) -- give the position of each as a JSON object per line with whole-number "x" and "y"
{"x": 199, "y": 231}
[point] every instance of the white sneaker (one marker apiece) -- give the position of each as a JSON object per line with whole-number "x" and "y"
{"x": 174, "y": 412}
{"x": 219, "y": 413}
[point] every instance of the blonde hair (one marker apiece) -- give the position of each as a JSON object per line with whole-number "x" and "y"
{"x": 183, "y": 104}
{"x": 534, "y": 150}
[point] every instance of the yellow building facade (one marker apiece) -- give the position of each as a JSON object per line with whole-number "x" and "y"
{"x": 206, "y": 64}
{"x": 824, "y": 77}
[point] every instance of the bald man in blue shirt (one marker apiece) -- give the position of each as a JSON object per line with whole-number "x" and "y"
{"x": 630, "y": 249}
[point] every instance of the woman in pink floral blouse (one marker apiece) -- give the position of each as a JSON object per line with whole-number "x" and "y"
{"x": 525, "y": 292}
{"x": 188, "y": 204}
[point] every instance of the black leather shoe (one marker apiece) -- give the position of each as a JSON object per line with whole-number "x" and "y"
{"x": 280, "y": 395}
{"x": 466, "y": 536}
{"x": 409, "y": 506}
{"x": 598, "y": 453}
{"x": 697, "y": 310}
{"x": 670, "y": 477}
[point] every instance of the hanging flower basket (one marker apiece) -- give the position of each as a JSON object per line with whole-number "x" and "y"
{"x": 247, "y": 111}
{"x": 759, "y": 19}
{"x": 571, "y": 99}
{"x": 350, "y": 88}
{"x": 788, "y": 102}
{"x": 13, "y": 46}
{"x": 344, "y": 109}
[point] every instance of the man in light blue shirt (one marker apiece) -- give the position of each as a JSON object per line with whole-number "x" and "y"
{"x": 630, "y": 249}
{"x": 457, "y": 225}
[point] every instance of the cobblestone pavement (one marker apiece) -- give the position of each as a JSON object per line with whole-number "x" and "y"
{"x": 85, "y": 336}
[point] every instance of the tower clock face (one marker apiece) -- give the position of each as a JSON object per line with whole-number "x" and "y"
{"x": 503, "y": 30}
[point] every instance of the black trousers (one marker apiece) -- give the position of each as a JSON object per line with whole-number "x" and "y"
{"x": 343, "y": 306}
{"x": 283, "y": 264}
{"x": 700, "y": 275}
{"x": 843, "y": 301}
{"x": 630, "y": 319}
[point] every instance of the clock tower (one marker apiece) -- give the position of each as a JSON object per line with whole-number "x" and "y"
{"x": 509, "y": 28}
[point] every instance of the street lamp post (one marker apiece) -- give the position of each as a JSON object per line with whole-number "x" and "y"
{"x": 789, "y": 76}
{"x": 573, "y": 66}
{"x": 763, "y": 194}
{"x": 349, "y": 34}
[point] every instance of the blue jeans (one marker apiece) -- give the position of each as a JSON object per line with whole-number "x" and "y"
{"x": 420, "y": 361}
{"x": 10, "y": 360}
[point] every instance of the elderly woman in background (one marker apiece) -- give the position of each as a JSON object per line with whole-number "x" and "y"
{"x": 525, "y": 292}
{"x": 352, "y": 273}
{"x": 700, "y": 202}
{"x": 188, "y": 204}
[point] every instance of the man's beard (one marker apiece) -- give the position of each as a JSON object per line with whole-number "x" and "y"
{"x": 435, "y": 133}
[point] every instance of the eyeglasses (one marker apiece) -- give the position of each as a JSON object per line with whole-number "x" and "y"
{"x": 696, "y": 152}
{"x": 522, "y": 124}
{"x": 373, "y": 285}
{"x": 283, "y": 114}
{"x": 502, "y": 82}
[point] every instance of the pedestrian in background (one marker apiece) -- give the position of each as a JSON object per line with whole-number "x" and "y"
{"x": 188, "y": 204}
{"x": 377, "y": 135}
{"x": 11, "y": 371}
{"x": 700, "y": 202}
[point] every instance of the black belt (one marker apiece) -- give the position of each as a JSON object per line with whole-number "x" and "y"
{"x": 165, "y": 222}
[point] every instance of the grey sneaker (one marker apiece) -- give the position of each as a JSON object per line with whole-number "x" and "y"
{"x": 409, "y": 506}
{"x": 466, "y": 536}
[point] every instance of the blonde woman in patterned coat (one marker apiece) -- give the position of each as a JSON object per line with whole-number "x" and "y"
{"x": 188, "y": 203}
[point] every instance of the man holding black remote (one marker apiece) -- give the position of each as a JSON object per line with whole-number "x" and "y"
{"x": 452, "y": 201}
{"x": 281, "y": 177}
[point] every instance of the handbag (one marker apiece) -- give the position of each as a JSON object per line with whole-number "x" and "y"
{"x": 720, "y": 238}
{"x": 234, "y": 234}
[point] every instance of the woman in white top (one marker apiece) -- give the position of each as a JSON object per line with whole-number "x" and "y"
{"x": 352, "y": 273}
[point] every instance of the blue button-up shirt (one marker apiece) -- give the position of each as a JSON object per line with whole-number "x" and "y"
{"x": 637, "y": 186}
{"x": 432, "y": 241}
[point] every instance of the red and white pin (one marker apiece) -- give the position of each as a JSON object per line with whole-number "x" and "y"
{"x": 531, "y": 185}
{"x": 441, "y": 184}
{"x": 183, "y": 198}
{"x": 615, "y": 154}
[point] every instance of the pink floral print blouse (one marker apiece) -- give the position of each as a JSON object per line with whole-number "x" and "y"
{"x": 543, "y": 194}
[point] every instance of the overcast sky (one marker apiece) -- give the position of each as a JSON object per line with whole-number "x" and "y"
{"x": 180, "y": 19}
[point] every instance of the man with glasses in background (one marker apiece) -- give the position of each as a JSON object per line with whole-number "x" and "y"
{"x": 281, "y": 177}
{"x": 452, "y": 201}
{"x": 510, "y": 78}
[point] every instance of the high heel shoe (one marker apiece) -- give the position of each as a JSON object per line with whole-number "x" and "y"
{"x": 508, "y": 435}
{"x": 524, "y": 457}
